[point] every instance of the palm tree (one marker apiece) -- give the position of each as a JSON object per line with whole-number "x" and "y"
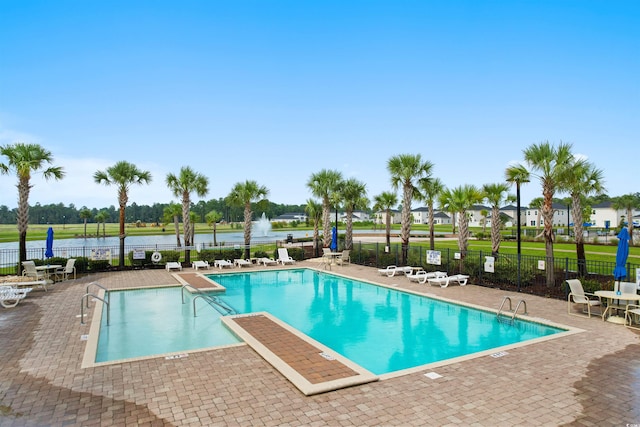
{"x": 241, "y": 195}
{"x": 314, "y": 211}
{"x": 182, "y": 185}
{"x": 628, "y": 202}
{"x": 171, "y": 213}
{"x": 212, "y": 219}
{"x": 324, "y": 185}
{"x": 581, "y": 180}
{"x": 550, "y": 162}
{"x": 353, "y": 196}
{"x": 101, "y": 217}
{"x": 483, "y": 220}
{"x": 384, "y": 202}
{"x": 407, "y": 170}
{"x": 122, "y": 175}
{"x": 430, "y": 190}
{"x": 517, "y": 174}
{"x": 85, "y": 214}
{"x": 460, "y": 200}
{"x": 25, "y": 159}
{"x": 495, "y": 196}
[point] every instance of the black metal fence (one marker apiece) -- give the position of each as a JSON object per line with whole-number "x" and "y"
{"x": 528, "y": 274}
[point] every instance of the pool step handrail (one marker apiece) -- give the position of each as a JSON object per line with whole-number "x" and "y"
{"x": 106, "y": 291}
{"x": 214, "y": 302}
{"x": 220, "y": 306}
{"x": 86, "y": 296}
{"x": 510, "y": 312}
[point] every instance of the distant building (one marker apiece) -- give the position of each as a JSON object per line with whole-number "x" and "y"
{"x": 381, "y": 217}
{"x": 290, "y": 217}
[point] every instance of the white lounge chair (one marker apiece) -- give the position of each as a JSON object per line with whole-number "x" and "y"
{"x": 284, "y": 258}
{"x": 10, "y": 296}
{"x": 344, "y": 257}
{"x": 392, "y": 270}
{"x": 242, "y": 263}
{"x": 221, "y": 263}
{"x": 200, "y": 264}
{"x": 69, "y": 269}
{"x": 267, "y": 261}
{"x": 443, "y": 282}
{"x": 172, "y": 265}
{"x": 422, "y": 276}
{"x": 579, "y": 296}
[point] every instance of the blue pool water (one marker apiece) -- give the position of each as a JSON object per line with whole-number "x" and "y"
{"x": 381, "y": 329}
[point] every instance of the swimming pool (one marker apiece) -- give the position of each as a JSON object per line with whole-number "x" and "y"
{"x": 381, "y": 329}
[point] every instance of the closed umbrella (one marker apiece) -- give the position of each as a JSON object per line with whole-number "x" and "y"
{"x": 49, "y": 252}
{"x": 620, "y": 271}
{"x": 334, "y": 239}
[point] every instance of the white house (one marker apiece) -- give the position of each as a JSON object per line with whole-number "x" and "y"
{"x": 290, "y": 217}
{"x": 381, "y": 217}
{"x": 511, "y": 212}
{"x": 561, "y": 216}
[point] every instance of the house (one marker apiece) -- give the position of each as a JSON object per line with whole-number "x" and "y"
{"x": 381, "y": 217}
{"x": 421, "y": 215}
{"x": 605, "y": 216}
{"x": 357, "y": 216}
{"x": 511, "y": 212}
{"x": 561, "y": 216}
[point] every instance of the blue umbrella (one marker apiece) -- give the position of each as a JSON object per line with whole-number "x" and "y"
{"x": 620, "y": 271}
{"x": 49, "y": 252}
{"x": 334, "y": 239}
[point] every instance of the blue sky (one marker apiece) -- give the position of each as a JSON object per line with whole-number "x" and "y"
{"x": 274, "y": 91}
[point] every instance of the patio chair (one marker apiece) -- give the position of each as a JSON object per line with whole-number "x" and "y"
{"x": 620, "y": 305}
{"x": 284, "y": 258}
{"x": 30, "y": 271}
{"x": 344, "y": 257}
{"x": 200, "y": 264}
{"x": 64, "y": 272}
{"x": 422, "y": 276}
{"x": 579, "y": 296}
{"x": 267, "y": 261}
{"x": 632, "y": 316}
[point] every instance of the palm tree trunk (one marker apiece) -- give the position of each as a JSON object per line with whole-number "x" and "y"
{"x": 578, "y": 228}
{"x": 630, "y": 225}
{"x": 547, "y": 216}
{"x": 215, "y": 243}
{"x": 23, "y": 219}
{"x": 85, "y": 228}
{"x": 247, "y": 230}
{"x": 348, "y": 238}
{"x": 406, "y": 222}
{"x": 432, "y": 240}
{"x": 176, "y": 225}
{"x": 326, "y": 223}
{"x": 495, "y": 231}
{"x": 122, "y": 236}
{"x": 388, "y": 229}
{"x": 186, "y": 224}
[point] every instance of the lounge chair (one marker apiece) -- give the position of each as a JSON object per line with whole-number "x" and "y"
{"x": 267, "y": 261}
{"x": 242, "y": 263}
{"x": 422, "y": 276}
{"x": 171, "y": 265}
{"x": 221, "y": 263}
{"x": 392, "y": 270}
{"x": 10, "y": 296}
{"x": 284, "y": 258}
{"x": 444, "y": 281}
{"x": 200, "y": 264}
{"x": 64, "y": 272}
{"x": 579, "y": 296}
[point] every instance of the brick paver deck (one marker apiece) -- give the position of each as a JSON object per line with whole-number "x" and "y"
{"x": 588, "y": 379}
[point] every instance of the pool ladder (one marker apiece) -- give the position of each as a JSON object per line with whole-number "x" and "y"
{"x": 510, "y": 312}
{"x": 215, "y": 302}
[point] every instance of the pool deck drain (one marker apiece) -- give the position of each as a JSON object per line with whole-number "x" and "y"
{"x": 310, "y": 366}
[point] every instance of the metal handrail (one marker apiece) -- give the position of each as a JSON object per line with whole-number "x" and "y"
{"x": 106, "y": 291}
{"x": 82, "y": 307}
